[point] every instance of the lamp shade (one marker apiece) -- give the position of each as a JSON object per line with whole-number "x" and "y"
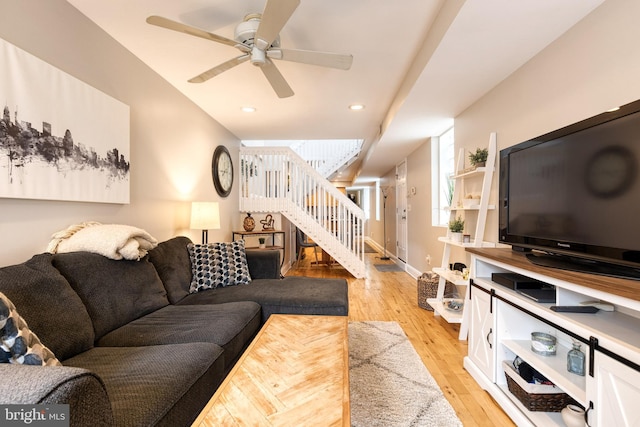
{"x": 205, "y": 216}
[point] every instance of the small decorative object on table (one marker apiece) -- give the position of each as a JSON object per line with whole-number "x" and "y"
{"x": 573, "y": 416}
{"x": 454, "y": 304}
{"x": 267, "y": 223}
{"x": 543, "y": 344}
{"x": 470, "y": 200}
{"x": 575, "y": 360}
{"x": 261, "y": 242}
{"x": 249, "y": 223}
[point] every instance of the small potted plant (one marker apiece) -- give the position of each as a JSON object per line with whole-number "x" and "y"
{"x": 456, "y": 226}
{"x": 479, "y": 158}
{"x": 261, "y": 241}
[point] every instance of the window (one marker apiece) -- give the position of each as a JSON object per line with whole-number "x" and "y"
{"x": 442, "y": 155}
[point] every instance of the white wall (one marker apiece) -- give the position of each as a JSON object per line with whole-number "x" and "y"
{"x": 591, "y": 68}
{"x": 172, "y": 140}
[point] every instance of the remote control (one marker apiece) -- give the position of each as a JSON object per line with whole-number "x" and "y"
{"x": 574, "y": 308}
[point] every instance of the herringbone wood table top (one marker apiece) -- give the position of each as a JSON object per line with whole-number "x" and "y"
{"x": 295, "y": 372}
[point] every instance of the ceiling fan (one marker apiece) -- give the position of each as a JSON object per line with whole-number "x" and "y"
{"x": 257, "y": 37}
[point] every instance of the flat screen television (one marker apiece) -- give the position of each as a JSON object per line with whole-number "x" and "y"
{"x": 573, "y": 195}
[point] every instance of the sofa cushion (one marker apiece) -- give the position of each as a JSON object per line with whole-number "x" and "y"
{"x": 171, "y": 259}
{"x": 156, "y": 385}
{"x": 218, "y": 264}
{"x": 291, "y": 295}
{"x": 18, "y": 344}
{"x": 263, "y": 264}
{"x": 32, "y": 286}
{"x": 231, "y": 326}
{"x": 114, "y": 292}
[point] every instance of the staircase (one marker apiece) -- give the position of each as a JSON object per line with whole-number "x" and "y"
{"x": 330, "y": 155}
{"x": 276, "y": 179}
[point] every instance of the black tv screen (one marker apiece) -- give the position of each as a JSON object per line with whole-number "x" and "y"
{"x": 574, "y": 194}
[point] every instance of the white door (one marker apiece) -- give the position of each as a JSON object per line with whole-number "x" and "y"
{"x": 401, "y": 211}
{"x": 616, "y": 395}
{"x": 481, "y": 336}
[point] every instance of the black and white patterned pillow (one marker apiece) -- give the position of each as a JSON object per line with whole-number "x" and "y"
{"x": 18, "y": 344}
{"x": 218, "y": 264}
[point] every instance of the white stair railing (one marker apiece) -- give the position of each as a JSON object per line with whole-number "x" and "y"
{"x": 276, "y": 179}
{"x": 328, "y": 156}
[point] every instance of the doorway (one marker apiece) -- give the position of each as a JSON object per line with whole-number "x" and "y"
{"x": 401, "y": 211}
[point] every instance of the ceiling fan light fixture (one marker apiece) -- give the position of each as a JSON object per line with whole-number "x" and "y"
{"x": 356, "y": 107}
{"x": 257, "y": 37}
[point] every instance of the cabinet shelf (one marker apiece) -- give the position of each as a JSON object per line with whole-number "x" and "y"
{"x": 451, "y": 276}
{"x": 552, "y": 367}
{"x": 469, "y": 208}
{"x": 440, "y": 308}
{"x": 471, "y": 244}
{"x": 470, "y": 173}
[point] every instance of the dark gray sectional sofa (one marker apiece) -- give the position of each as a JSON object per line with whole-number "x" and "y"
{"x": 137, "y": 348}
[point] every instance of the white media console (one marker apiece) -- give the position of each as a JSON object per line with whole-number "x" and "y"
{"x": 501, "y": 322}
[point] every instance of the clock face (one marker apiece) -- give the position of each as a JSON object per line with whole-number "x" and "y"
{"x": 611, "y": 171}
{"x": 222, "y": 171}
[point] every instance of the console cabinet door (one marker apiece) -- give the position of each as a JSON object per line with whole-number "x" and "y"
{"x": 481, "y": 334}
{"x": 615, "y": 393}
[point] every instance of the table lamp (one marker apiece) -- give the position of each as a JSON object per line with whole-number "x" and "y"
{"x": 205, "y": 216}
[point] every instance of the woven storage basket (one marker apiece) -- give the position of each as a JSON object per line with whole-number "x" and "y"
{"x": 535, "y": 397}
{"x": 428, "y": 288}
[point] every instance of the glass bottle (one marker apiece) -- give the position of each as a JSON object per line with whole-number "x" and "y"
{"x": 575, "y": 360}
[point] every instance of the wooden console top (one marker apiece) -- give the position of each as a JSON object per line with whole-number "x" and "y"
{"x": 621, "y": 287}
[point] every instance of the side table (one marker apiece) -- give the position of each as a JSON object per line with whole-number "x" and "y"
{"x": 279, "y": 244}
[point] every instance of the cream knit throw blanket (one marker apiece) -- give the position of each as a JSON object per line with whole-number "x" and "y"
{"x": 113, "y": 241}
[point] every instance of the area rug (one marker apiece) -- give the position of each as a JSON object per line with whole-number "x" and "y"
{"x": 389, "y": 384}
{"x": 387, "y": 268}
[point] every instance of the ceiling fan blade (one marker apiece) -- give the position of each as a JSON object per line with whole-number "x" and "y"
{"x": 323, "y": 59}
{"x": 220, "y": 69}
{"x": 276, "y": 13}
{"x": 183, "y": 28}
{"x": 276, "y": 80}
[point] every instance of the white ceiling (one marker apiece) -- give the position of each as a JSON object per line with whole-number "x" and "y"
{"x": 417, "y": 63}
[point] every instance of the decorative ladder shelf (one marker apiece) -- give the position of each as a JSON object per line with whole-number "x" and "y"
{"x": 440, "y": 303}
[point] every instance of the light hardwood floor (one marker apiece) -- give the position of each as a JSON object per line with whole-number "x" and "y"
{"x": 392, "y": 296}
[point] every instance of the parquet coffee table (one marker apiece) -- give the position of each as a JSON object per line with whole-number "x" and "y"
{"x": 294, "y": 373}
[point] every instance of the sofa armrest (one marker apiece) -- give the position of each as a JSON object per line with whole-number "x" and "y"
{"x": 263, "y": 264}
{"x": 81, "y": 389}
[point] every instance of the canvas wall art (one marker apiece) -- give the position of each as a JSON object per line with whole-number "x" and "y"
{"x": 60, "y": 138}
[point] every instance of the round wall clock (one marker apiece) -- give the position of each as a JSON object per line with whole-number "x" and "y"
{"x": 611, "y": 171}
{"x": 222, "y": 170}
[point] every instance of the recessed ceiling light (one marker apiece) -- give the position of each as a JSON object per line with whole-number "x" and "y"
{"x": 249, "y": 109}
{"x": 611, "y": 110}
{"x": 356, "y": 107}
